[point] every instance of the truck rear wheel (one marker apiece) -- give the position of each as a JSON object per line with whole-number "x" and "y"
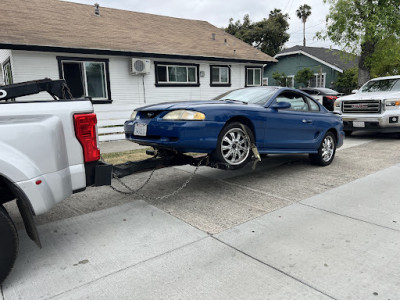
{"x": 8, "y": 245}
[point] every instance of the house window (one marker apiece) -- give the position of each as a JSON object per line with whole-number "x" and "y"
{"x": 318, "y": 80}
{"x": 86, "y": 78}
{"x": 290, "y": 81}
{"x": 253, "y": 76}
{"x": 176, "y": 74}
{"x": 7, "y": 72}
{"x": 220, "y": 76}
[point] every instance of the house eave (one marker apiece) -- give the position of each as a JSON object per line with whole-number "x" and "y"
{"x": 310, "y": 56}
{"x": 40, "y": 48}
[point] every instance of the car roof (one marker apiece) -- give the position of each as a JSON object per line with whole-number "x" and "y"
{"x": 324, "y": 90}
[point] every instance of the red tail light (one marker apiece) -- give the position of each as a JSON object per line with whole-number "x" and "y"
{"x": 85, "y": 131}
{"x": 331, "y": 97}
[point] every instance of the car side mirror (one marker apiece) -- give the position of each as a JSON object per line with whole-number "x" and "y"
{"x": 281, "y": 105}
{"x": 354, "y": 91}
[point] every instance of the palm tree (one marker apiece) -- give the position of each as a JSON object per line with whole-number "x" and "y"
{"x": 303, "y": 12}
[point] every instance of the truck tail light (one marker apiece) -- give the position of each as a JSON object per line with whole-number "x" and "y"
{"x": 85, "y": 131}
{"x": 331, "y": 97}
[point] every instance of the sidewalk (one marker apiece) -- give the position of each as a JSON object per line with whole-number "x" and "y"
{"x": 340, "y": 244}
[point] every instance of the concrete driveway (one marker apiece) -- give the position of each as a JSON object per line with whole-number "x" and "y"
{"x": 287, "y": 230}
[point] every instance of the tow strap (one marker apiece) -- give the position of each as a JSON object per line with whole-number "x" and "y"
{"x": 253, "y": 148}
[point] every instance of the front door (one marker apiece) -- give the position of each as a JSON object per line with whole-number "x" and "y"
{"x": 291, "y": 129}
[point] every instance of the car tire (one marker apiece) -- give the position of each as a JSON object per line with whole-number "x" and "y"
{"x": 348, "y": 132}
{"x": 234, "y": 145}
{"x": 326, "y": 151}
{"x": 8, "y": 245}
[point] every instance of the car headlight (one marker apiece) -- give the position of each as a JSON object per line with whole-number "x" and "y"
{"x": 133, "y": 115}
{"x": 337, "y": 105}
{"x": 392, "y": 103}
{"x": 184, "y": 115}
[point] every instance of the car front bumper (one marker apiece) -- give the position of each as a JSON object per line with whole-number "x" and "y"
{"x": 181, "y": 136}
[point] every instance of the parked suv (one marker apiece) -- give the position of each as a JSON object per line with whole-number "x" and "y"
{"x": 374, "y": 107}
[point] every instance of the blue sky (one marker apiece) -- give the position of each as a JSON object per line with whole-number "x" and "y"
{"x": 219, "y": 12}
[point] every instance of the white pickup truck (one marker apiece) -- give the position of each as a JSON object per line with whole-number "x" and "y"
{"x": 374, "y": 107}
{"x": 48, "y": 150}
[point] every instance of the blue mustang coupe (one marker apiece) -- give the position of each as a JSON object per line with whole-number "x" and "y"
{"x": 274, "y": 119}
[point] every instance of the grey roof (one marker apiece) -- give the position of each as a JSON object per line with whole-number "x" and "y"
{"x": 338, "y": 58}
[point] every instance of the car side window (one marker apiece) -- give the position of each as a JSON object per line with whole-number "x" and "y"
{"x": 313, "y": 106}
{"x": 298, "y": 103}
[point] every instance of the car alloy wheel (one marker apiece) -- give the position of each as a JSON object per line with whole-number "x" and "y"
{"x": 326, "y": 151}
{"x": 328, "y": 148}
{"x": 234, "y": 145}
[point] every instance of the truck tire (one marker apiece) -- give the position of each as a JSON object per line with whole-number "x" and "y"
{"x": 8, "y": 245}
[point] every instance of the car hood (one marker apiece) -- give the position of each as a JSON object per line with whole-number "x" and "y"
{"x": 372, "y": 96}
{"x": 184, "y": 105}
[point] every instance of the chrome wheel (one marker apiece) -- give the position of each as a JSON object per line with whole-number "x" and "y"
{"x": 235, "y": 146}
{"x": 328, "y": 148}
{"x": 326, "y": 151}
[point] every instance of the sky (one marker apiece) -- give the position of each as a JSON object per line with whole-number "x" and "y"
{"x": 218, "y": 13}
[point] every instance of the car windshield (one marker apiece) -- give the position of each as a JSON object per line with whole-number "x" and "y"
{"x": 258, "y": 96}
{"x": 385, "y": 85}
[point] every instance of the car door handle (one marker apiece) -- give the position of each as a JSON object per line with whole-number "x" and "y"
{"x": 307, "y": 121}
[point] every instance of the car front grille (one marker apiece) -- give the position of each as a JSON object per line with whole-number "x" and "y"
{"x": 149, "y": 114}
{"x": 373, "y": 106}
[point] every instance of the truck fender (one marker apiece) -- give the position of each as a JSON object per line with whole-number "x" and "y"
{"x": 16, "y": 165}
{"x": 26, "y": 211}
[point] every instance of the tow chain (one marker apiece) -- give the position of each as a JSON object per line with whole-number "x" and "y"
{"x": 136, "y": 191}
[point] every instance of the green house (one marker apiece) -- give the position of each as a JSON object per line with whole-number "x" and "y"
{"x": 326, "y": 64}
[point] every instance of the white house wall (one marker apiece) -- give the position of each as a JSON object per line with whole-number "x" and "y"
{"x": 127, "y": 91}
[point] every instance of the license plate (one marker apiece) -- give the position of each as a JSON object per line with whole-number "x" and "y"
{"x": 358, "y": 124}
{"x": 140, "y": 129}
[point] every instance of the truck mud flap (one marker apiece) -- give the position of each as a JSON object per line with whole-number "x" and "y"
{"x": 98, "y": 173}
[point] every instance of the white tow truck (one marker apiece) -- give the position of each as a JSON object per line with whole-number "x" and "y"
{"x": 48, "y": 151}
{"x": 374, "y": 107}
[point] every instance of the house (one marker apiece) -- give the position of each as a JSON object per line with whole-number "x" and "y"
{"x": 327, "y": 64}
{"x": 122, "y": 59}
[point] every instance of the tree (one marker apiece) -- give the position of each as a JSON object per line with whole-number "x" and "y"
{"x": 304, "y": 76}
{"x": 361, "y": 26}
{"x": 280, "y": 79}
{"x": 303, "y": 12}
{"x": 347, "y": 81}
{"x": 386, "y": 59}
{"x": 268, "y": 35}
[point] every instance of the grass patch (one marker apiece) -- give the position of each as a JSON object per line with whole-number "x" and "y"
{"x": 121, "y": 157}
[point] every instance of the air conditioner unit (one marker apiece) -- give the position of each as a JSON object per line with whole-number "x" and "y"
{"x": 139, "y": 66}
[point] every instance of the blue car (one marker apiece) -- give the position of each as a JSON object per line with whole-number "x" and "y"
{"x": 274, "y": 119}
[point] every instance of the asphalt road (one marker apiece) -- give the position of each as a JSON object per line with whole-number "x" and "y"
{"x": 285, "y": 230}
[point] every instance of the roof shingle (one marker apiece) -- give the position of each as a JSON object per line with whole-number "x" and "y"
{"x": 334, "y": 57}
{"x": 54, "y": 23}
